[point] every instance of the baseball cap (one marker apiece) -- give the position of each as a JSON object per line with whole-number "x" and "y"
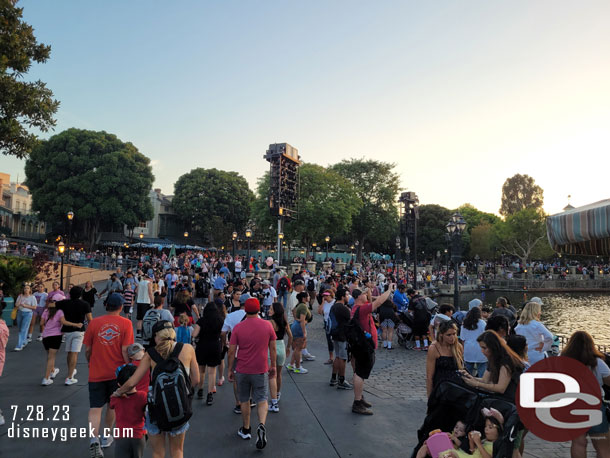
{"x": 356, "y": 293}
{"x": 474, "y": 303}
{"x": 114, "y": 300}
{"x": 160, "y": 325}
{"x": 299, "y": 282}
{"x": 537, "y": 300}
{"x": 252, "y": 305}
{"x": 266, "y": 282}
{"x": 134, "y": 348}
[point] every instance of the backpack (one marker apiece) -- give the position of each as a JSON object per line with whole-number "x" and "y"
{"x": 171, "y": 394}
{"x": 151, "y": 318}
{"x": 283, "y": 285}
{"x": 354, "y": 334}
{"x": 201, "y": 288}
{"x": 183, "y": 334}
{"x": 331, "y": 326}
{"x": 311, "y": 285}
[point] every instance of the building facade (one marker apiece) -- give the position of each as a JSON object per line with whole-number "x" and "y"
{"x": 16, "y": 213}
{"x": 164, "y": 224}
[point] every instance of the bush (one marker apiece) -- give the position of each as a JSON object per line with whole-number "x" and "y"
{"x": 14, "y": 272}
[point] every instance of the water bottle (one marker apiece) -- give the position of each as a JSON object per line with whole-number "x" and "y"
{"x": 367, "y": 334}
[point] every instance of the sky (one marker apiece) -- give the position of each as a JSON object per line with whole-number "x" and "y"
{"x": 459, "y": 95}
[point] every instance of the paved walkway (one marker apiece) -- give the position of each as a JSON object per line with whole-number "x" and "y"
{"x": 315, "y": 419}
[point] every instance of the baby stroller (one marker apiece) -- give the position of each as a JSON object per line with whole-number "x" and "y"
{"x": 404, "y": 330}
{"x": 450, "y": 402}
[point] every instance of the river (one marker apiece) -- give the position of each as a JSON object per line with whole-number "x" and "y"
{"x": 562, "y": 313}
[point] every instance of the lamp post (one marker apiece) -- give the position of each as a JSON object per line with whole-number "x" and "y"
{"x": 248, "y": 236}
{"x": 407, "y": 261}
{"x": 140, "y": 247}
{"x": 352, "y": 248}
{"x": 447, "y": 261}
{"x": 327, "y": 239}
{"x": 313, "y": 251}
{"x": 70, "y": 216}
{"x": 234, "y": 235}
{"x": 396, "y": 256}
{"x": 61, "y": 248}
{"x": 455, "y": 228}
{"x": 357, "y": 242}
{"x": 280, "y": 236}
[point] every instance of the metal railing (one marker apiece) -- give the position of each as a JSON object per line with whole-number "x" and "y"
{"x": 518, "y": 283}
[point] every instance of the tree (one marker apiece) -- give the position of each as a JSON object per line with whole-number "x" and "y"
{"x": 431, "y": 229}
{"x": 482, "y": 241}
{"x": 212, "y": 202}
{"x": 523, "y": 235}
{"x": 520, "y": 192}
{"x": 326, "y": 203}
{"x": 474, "y": 217}
{"x": 377, "y": 186}
{"x": 23, "y": 105}
{"x": 95, "y": 175}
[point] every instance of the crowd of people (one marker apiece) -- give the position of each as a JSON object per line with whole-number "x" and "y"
{"x": 183, "y": 318}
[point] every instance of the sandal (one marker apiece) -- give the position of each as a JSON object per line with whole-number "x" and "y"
{"x": 221, "y": 381}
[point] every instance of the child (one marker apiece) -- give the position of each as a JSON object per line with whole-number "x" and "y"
{"x": 458, "y": 437}
{"x": 183, "y": 332}
{"x": 3, "y": 341}
{"x": 129, "y": 414}
{"x": 494, "y": 424}
{"x": 128, "y": 296}
{"x": 136, "y": 352}
{"x": 486, "y": 311}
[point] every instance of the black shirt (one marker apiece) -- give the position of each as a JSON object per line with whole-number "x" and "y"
{"x": 342, "y": 315}
{"x": 89, "y": 297}
{"x": 75, "y": 311}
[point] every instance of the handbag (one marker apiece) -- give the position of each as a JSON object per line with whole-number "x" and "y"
{"x": 14, "y": 314}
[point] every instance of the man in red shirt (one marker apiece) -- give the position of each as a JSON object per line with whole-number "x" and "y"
{"x": 255, "y": 338}
{"x": 106, "y": 341}
{"x": 365, "y": 357}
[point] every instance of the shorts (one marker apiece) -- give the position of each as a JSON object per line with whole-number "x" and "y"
{"x": 603, "y": 427}
{"x": 51, "y": 342}
{"x": 38, "y": 311}
{"x": 153, "y": 429}
{"x": 257, "y": 384}
{"x": 365, "y": 360}
{"x": 100, "y": 392}
{"x": 280, "y": 350}
{"x": 296, "y": 329}
{"x": 388, "y": 323}
{"x": 141, "y": 309}
{"x": 74, "y": 341}
{"x": 127, "y": 309}
{"x": 340, "y": 349}
{"x": 129, "y": 446}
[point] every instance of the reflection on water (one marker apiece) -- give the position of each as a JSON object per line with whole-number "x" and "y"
{"x": 562, "y": 314}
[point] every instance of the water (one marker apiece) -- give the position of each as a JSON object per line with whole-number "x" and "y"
{"x": 562, "y": 313}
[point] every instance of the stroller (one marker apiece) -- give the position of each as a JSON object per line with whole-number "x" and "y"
{"x": 404, "y": 330}
{"x": 450, "y": 402}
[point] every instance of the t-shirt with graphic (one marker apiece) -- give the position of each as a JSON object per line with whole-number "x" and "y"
{"x": 252, "y": 336}
{"x": 106, "y": 335}
{"x": 130, "y": 414}
{"x": 41, "y": 298}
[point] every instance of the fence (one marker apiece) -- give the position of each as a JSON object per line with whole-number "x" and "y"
{"x": 533, "y": 283}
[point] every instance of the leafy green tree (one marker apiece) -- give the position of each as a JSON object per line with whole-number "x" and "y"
{"x": 213, "y": 203}
{"x": 377, "y": 186}
{"x": 95, "y": 175}
{"x": 431, "y": 229}
{"x": 327, "y": 204}
{"x": 520, "y": 192}
{"x": 474, "y": 217}
{"x": 14, "y": 271}
{"x": 23, "y": 105}
{"x": 523, "y": 234}
{"x": 483, "y": 241}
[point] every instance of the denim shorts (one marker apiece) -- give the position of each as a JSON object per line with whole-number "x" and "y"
{"x": 603, "y": 427}
{"x": 153, "y": 429}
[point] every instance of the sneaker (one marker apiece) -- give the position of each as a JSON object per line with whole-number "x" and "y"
{"x": 39, "y": 338}
{"x": 365, "y": 403}
{"x": 333, "y": 382}
{"x": 274, "y": 408}
{"x": 46, "y": 381}
{"x": 309, "y": 357}
{"x": 107, "y": 441}
{"x": 426, "y": 348}
{"x": 344, "y": 386}
{"x": 18, "y": 348}
{"x": 237, "y": 409}
{"x": 289, "y": 367}
{"x": 417, "y": 349}
{"x": 328, "y": 362}
{"x": 70, "y": 381}
{"x": 210, "y": 400}
{"x": 261, "y": 435}
{"x": 245, "y": 435}
{"x": 300, "y": 370}
{"x": 252, "y": 403}
{"x": 221, "y": 381}
{"x": 200, "y": 393}
{"x": 55, "y": 372}
{"x": 29, "y": 337}
{"x": 359, "y": 408}
{"x": 95, "y": 450}
{"x": 279, "y": 395}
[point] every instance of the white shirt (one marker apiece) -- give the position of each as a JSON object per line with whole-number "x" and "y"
{"x": 232, "y": 320}
{"x": 270, "y": 299}
{"x": 601, "y": 370}
{"x": 237, "y": 266}
{"x": 535, "y": 333}
{"x": 472, "y": 349}
{"x": 290, "y": 306}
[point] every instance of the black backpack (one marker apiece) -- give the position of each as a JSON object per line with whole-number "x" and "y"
{"x": 152, "y": 317}
{"x": 354, "y": 334}
{"x": 171, "y": 396}
{"x": 202, "y": 288}
{"x": 311, "y": 285}
{"x": 283, "y": 285}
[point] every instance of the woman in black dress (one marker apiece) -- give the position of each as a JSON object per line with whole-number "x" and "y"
{"x": 209, "y": 348}
{"x": 445, "y": 357}
{"x": 89, "y": 294}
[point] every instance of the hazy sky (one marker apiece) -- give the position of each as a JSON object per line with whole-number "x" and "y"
{"x": 460, "y": 95}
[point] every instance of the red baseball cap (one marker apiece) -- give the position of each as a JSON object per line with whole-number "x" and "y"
{"x": 252, "y": 305}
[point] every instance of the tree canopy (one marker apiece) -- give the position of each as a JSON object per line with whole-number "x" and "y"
{"x": 523, "y": 234}
{"x": 431, "y": 229}
{"x": 23, "y": 105}
{"x": 520, "y": 192}
{"x": 95, "y": 175}
{"x": 377, "y": 186}
{"x": 212, "y": 203}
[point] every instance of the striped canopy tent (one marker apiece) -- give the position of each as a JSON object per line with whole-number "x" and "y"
{"x": 584, "y": 230}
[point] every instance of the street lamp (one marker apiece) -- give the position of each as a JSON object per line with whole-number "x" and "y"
{"x": 61, "y": 248}
{"x": 70, "y": 216}
{"x": 327, "y": 239}
{"x": 140, "y": 247}
{"x": 248, "y": 236}
{"x": 397, "y": 255}
{"x": 313, "y": 251}
{"x": 455, "y": 228}
{"x": 407, "y": 256}
{"x": 280, "y": 236}
{"x": 186, "y": 234}
{"x": 234, "y": 244}
{"x": 357, "y": 242}
{"x": 352, "y": 248}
